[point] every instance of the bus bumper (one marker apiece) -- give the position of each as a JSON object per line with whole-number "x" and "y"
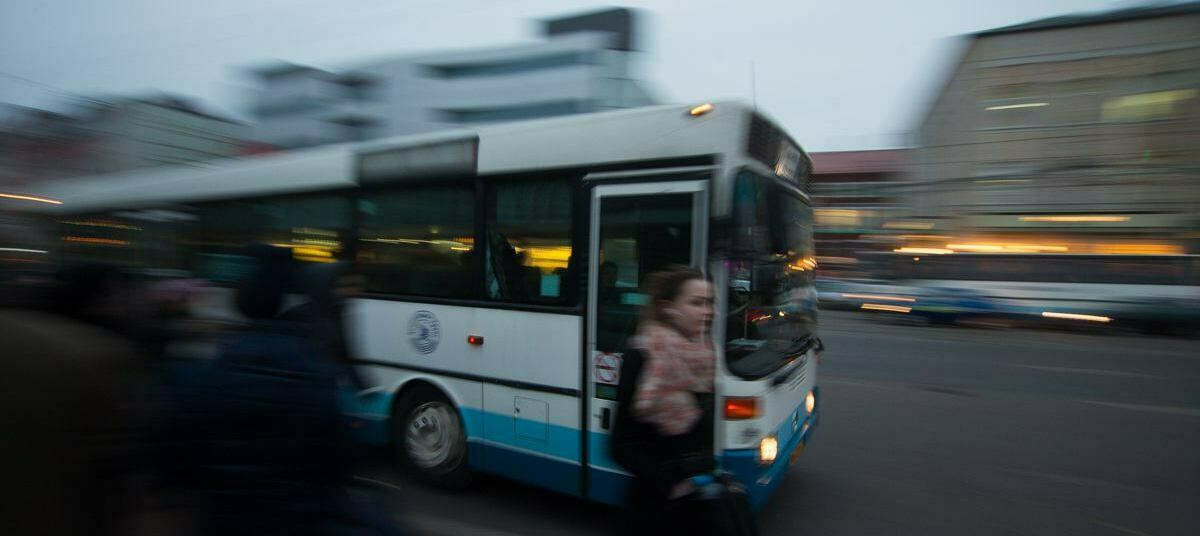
{"x": 761, "y": 480}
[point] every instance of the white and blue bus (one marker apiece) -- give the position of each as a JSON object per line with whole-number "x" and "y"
{"x": 502, "y": 268}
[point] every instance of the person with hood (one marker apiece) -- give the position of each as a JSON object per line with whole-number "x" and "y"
{"x": 329, "y": 287}
{"x": 255, "y": 437}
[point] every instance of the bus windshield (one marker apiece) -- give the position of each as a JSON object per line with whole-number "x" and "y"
{"x": 772, "y": 312}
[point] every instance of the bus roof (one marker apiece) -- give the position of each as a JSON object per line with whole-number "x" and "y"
{"x": 651, "y": 133}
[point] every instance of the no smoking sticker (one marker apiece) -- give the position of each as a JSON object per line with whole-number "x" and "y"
{"x": 607, "y": 368}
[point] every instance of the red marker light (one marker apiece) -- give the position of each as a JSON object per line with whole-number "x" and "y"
{"x": 475, "y": 340}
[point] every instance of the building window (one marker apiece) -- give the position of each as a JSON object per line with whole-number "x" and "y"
{"x": 1014, "y": 113}
{"x": 1148, "y": 106}
{"x": 516, "y": 113}
{"x": 837, "y": 218}
{"x": 538, "y": 63}
{"x": 418, "y": 241}
{"x": 529, "y": 241}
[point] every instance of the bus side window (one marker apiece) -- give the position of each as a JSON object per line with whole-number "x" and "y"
{"x": 638, "y": 236}
{"x": 529, "y": 248}
{"x": 418, "y": 241}
{"x": 315, "y": 227}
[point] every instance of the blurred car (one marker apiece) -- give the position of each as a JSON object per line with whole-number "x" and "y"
{"x": 847, "y": 294}
{"x": 950, "y": 305}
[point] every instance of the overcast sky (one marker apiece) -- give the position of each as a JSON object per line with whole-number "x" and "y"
{"x": 838, "y": 74}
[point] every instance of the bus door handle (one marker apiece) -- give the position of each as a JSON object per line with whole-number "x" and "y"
{"x": 605, "y": 418}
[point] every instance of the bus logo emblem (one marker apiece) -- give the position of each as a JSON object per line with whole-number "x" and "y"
{"x": 424, "y": 332}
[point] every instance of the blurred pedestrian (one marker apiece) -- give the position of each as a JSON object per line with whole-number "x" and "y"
{"x": 663, "y": 432}
{"x": 72, "y": 416}
{"x": 329, "y": 287}
{"x": 256, "y": 440}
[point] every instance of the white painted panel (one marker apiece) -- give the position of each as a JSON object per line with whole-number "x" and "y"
{"x": 537, "y": 348}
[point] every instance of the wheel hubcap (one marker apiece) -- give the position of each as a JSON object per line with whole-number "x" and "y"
{"x": 433, "y": 435}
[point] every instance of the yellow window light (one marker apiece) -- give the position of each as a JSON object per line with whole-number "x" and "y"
{"x": 982, "y": 248}
{"x": 311, "y": 252}
{"x": 910, "y": 225}
{"x": 879, "y": 297}
{"x": 1015, "y": 106}
{"x": 1138, "y": 249}
{"x": 925, "y": 251}
{"x": 96, "y": 241}
{"x": 1007, "y": 248}
{"x": 314, "y": 232}
{"x": 1073, "y": 316}
{"x": 1144, "y": 106}
{"x": 105, "y": 224}
{"x": 1079, "y": 218}
{"x": 882, "y": 307}
{"x": 807, "y": 263}
{"x": 33, "y": 198}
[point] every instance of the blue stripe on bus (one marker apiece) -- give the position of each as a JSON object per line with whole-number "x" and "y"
{"x": 551, "y": 439}
{"x": 608, "y": 487}
{"x": 599, "y": 453}
{"x": 531, "y": 468}
{"x": 548, "y": 455}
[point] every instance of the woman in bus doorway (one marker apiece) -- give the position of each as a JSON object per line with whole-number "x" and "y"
{"x": 678, "y": 367}
{"x": 663, "y": 433}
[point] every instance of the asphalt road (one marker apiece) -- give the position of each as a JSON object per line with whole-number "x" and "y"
{"x": 935, "y": 431}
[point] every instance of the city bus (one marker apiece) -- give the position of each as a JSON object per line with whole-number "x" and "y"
{"x": 502, "y": 266}
{"x": 1147, "y": 292}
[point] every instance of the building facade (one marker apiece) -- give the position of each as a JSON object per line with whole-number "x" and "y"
{"x": 855, "y": 203}
{"x": 1077, "y": 134}
{"x": 110, "y": 135}
{"x": 583, "y": 65}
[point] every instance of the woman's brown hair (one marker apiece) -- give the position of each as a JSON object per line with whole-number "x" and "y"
{"x": 664, "y": 286}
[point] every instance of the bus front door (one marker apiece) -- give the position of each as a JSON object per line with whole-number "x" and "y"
{"x": 636, "y": 229}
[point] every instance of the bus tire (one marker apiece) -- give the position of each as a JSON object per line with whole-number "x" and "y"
{"x": 430, "y": 439}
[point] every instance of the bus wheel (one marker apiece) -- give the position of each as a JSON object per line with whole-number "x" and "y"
{"x": 431, "y": 441}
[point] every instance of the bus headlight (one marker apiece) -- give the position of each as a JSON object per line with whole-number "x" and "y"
{"x": 810, "y": 402}
{"x": 768, "y": 449}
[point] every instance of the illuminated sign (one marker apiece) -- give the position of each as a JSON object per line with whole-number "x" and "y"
{"x": 768, "y": 144}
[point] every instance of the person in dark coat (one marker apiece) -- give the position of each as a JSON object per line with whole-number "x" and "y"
{"x": 663, "y": 433}
{"x": 255, "y": 437}
{"x": 329, "y": 287}
{"x": 72, "y": 416}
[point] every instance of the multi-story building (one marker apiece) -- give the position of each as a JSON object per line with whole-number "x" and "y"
{"x": 1077, "y": 134}
{"x": 855, "y": 201}
{"x": 101, "y": 136}
{"x": 583, "y": 65}
{"x": 160, "y": 130}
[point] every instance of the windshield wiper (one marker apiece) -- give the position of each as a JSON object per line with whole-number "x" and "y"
{"x": 802, "y": 344}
